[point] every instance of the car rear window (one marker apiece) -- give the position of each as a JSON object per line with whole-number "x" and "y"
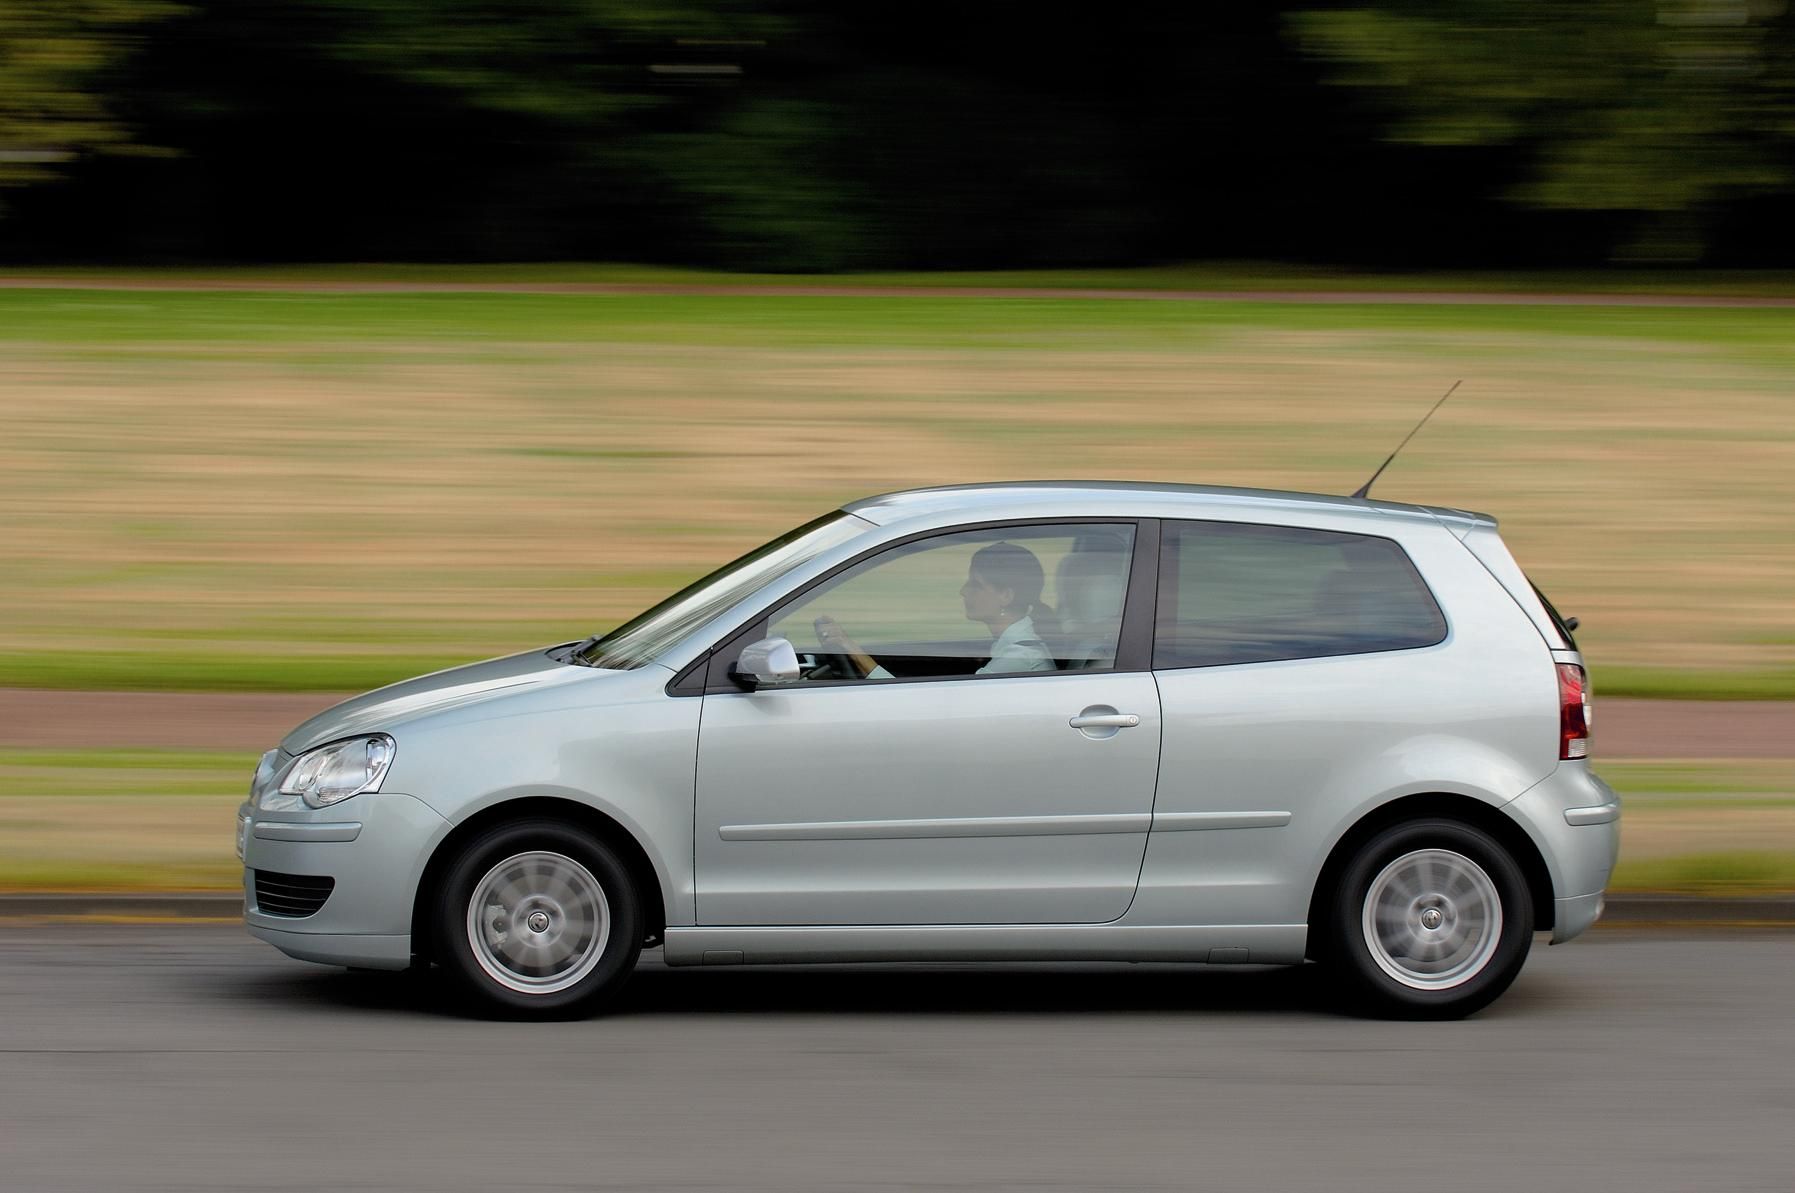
{"x": 1234, "y": 592}
{"x": 1558, "y": 621}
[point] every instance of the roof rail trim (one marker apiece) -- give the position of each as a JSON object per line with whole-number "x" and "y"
{"x": 886, "y": 507}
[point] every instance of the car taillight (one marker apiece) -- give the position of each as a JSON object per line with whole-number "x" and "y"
{"x": 1573, "y": 712}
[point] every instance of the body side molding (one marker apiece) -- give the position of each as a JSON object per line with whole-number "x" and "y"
{"x": 1270, "y": 944}
{"x": 1184, "y": 822}
{"x": 958, "y": 826}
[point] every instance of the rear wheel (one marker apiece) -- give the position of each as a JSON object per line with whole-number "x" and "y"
{"x": 538, "y": 919}
{"x": 1432, "y": 920}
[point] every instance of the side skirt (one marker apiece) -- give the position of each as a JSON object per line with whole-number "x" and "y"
{"x": 1251, "y": 944}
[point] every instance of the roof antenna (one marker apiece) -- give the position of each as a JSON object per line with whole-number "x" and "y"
{"x": 1364, "y": 490}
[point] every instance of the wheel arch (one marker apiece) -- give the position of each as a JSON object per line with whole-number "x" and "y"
{"x": 605, "y": 828}
{"x": 1434, "y": 806}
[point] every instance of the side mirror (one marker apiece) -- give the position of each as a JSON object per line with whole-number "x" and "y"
{"x": 766, "y": 663}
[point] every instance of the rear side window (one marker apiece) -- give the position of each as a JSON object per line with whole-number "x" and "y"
{"x": 1231, "y": 592}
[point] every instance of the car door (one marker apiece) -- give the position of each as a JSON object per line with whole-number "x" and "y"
{"x": 1304, "y": 672}
{"x": 929, "y": 768}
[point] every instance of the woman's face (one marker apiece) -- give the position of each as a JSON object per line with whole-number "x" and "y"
{"x": 983, "y": 602}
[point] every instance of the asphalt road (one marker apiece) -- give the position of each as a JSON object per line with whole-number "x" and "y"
{"x": 192, "y": 1058}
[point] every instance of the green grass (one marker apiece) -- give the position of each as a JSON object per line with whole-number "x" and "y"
{"x": 1712, "y": 777}
{"x": 1648, "y": 787}
{"x": 1716, "y": 874}
{"x": 326, "y": 328}
{"x": 122, "y": 772}
{"x": 219, "y": 873}
{"x": 203, "y": 670}
{"x": 1242, "y": 275}
{"x": 1671, "y": 683}
{"x": 120, "y": 819}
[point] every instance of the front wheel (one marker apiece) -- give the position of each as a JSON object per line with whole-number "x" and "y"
{"x": 1432, "y": 920}
{"x": 538, "y": 919}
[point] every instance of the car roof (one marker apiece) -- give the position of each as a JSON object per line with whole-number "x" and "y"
{"x": 1125, "y": 498}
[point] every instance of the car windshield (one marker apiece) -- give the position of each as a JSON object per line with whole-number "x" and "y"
{"x": 643, "y": 638}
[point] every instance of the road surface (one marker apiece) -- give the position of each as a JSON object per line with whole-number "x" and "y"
{"x": 192, "y": 1058}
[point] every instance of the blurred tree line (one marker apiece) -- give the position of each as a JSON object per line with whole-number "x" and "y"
{"x": 818, "y": 135}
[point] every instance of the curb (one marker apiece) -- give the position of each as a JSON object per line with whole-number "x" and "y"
{"x": 1648, "y": 910}
{"x": 197, "y": 906}
{"x": 1625, "y": 910}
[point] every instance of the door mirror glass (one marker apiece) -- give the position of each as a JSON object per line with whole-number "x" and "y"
{"x": 768, "y": 662}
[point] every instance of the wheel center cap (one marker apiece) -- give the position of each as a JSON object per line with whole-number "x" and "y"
{"x": 537, "y": 921}
{"x": 1432, "y": 918}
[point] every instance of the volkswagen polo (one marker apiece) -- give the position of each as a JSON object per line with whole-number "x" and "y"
{"x": 1019, "y": 722}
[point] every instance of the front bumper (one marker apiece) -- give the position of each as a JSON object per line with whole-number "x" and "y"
{"x": 358, "y": 951}
{"x": 373, "y": 846}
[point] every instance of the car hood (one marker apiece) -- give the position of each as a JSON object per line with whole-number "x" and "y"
{"x": 386, "y": 708}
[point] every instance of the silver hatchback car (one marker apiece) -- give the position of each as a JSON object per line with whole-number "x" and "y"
{"x": 1019, "y": 722}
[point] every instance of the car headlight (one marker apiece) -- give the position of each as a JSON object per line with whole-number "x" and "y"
{"x": 331, "y": 774}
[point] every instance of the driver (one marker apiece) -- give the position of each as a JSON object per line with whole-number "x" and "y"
{"x": 1002, "y": 590}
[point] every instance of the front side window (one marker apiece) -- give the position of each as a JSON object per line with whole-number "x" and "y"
{"x": 1002, "y": 601}
{"x": 1237, "y": 593}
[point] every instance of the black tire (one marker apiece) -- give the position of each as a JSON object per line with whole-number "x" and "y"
{"x": 588, "y": 886}
{"x": 1397, "y": 975}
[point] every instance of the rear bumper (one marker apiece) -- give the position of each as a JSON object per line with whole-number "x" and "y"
{"x": 1572, "y": 917}
{"x": 1574, "y": 819}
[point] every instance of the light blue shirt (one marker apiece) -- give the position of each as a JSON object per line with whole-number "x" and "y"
{"x": 1019, "y": 648}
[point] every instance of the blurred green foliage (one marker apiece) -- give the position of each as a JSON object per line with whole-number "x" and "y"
{"x": 573, "y": 63}
{"x": 1669, "y": 108}
{"x": 801, "y": 135}
{"x": 56, "y": 80}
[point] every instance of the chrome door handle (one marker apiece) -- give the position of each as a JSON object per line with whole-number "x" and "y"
{"x": 1114, "y": 720}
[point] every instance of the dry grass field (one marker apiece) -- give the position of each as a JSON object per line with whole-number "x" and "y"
{"x": 330, "y": 490}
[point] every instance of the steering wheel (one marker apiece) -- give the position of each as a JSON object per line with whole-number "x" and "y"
{"x": 826, "y": 667}
{"x": 835, "y": 665}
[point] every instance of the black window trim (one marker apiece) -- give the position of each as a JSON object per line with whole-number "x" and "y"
{"x": 1165, "y": 577}
{"x": 1556, "y": 618}
{"x": 707, "y": 675}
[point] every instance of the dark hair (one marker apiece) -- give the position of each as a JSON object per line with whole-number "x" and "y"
{"x": 1011, "y": 566}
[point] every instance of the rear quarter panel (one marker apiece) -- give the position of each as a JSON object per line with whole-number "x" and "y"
{"x": 1331, "y": 740}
